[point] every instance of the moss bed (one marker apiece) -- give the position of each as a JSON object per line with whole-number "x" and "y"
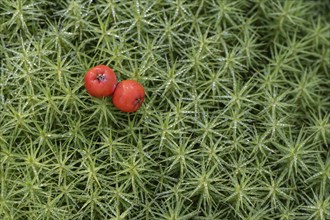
{"x": 235, "y": 125}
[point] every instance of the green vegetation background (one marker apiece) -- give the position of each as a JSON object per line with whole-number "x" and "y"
{"x": 235, "y": 125}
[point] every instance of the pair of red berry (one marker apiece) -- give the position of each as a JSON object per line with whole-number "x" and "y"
{"x": 127, "y": 95}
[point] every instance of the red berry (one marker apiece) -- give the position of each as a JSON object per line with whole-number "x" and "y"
{"x": 128, "y": 96}
{"x": 100, "y": 81}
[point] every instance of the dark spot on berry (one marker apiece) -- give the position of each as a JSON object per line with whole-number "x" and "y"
{"x": 100, "y": 77}
{"x": 138, "y": 101}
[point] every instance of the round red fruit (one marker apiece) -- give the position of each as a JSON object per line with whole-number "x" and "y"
{"x": 128, "y": 96}
{"x": 100, "y": 81}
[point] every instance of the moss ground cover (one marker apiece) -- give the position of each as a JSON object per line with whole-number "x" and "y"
{"x": 235, "y": 124}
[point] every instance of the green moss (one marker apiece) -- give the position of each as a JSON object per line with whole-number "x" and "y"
{"x": 235, "y": 124}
